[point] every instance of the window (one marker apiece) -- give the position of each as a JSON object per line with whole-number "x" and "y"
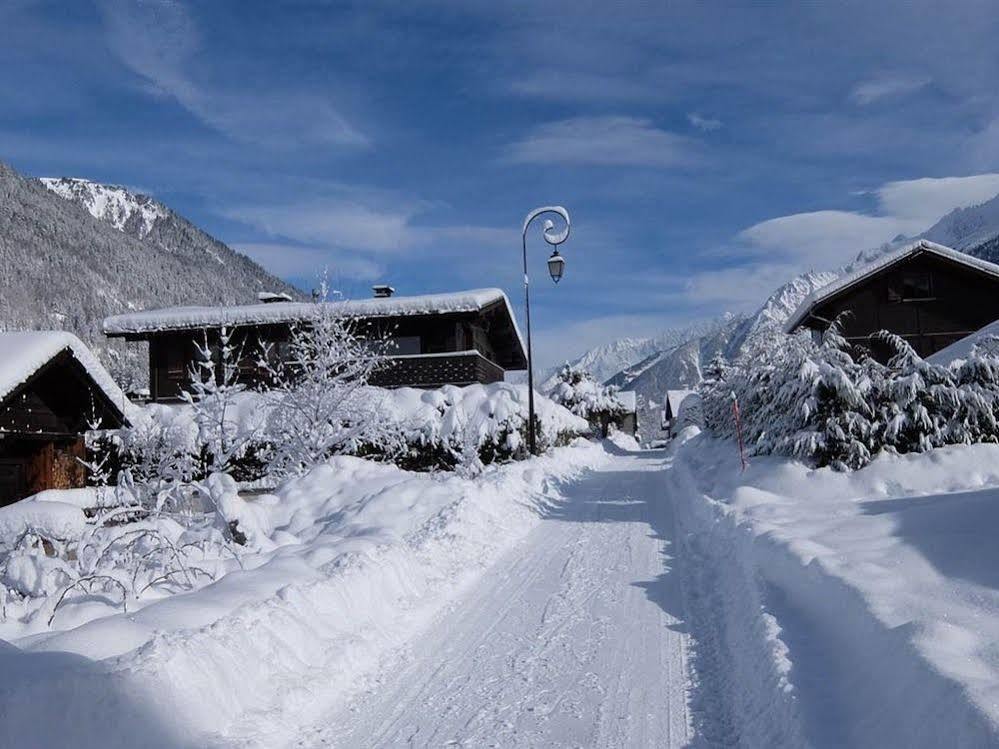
{"x": 910, "y": 286}
{"x": 401, "y": 345}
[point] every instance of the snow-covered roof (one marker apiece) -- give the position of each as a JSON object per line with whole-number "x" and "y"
{"x": 674, "y": 400}
{"x": 629, "y": 399}
{"x": 23, "y": 353}
{"x": 185, "y": 318}
{"x": 960, "y": 350}
{"x": 849, "y": 279}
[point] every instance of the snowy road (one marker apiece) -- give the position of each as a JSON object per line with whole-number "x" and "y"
{"x": 574, "y": 638}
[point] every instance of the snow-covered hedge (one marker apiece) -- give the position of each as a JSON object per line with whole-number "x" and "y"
{"x": 467, "y": 426}
{"x": 440, "y": 429}
{"x": 832, "y": 406}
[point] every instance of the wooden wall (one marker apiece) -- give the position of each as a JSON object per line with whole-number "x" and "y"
{"x": 960, "y": 301}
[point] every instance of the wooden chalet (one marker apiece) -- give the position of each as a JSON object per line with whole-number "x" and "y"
{"x": 52, "y": 390}
{"x": 458, "y": 338}
{"x": 929, "y": 294}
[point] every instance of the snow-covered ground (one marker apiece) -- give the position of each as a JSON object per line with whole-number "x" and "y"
{"x": 599, "y": 596}
{"x": 361, "y": 555}
{"x": 575, "y": 638}
{"x": 854, "y": 609}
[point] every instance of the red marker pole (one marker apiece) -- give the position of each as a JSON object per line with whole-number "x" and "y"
{"x": 738, "y": 430}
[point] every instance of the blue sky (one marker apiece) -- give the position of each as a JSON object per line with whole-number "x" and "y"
{"x": 706, "y": 151}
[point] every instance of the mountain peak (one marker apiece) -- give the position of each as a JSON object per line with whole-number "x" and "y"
{"x": 130, "y": 212}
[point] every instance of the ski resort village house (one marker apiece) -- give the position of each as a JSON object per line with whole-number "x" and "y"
{"x": 457, "y": 338}
{"x": 52, "y": 390}
{"x": 929, "y": 294}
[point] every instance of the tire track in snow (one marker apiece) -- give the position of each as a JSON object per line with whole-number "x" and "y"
{"x": 573, "y": 639}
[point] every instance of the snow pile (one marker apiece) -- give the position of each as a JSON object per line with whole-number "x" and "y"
{"x": 361, "y": 557}
{"x": 111, "y": 203}
{"x": 857, "y": 609}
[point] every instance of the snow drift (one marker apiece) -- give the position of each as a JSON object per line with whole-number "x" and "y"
{"x": 359, "y": 556}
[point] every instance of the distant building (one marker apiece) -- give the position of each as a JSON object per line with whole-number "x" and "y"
{"x": 52, "y": 391}
{"x": 929, "y": 294}
{"x": 458, "y": 338}
{"x": 628, "y": 422}
{"x": 681, "y": 408}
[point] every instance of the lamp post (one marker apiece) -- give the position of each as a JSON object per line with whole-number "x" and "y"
{"x": 556, "y": 266}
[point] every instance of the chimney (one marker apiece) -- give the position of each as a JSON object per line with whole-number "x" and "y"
{"x": 383, "y": 291}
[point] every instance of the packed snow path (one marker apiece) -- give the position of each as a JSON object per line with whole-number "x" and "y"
{"x": 575, "y": 638}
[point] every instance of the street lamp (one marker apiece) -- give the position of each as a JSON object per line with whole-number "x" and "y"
{"x": 556, "y": 266}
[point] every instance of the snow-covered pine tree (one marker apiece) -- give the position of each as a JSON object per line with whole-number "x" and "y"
{"x": 917, "y": 401}
{"x": 577, "y": 391}
{"x": 837, "y": 426}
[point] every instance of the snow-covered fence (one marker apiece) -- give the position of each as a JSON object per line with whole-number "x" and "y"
{"x": 831, "y": 406}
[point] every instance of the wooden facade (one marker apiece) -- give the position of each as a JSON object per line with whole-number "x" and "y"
{"x": 425, "y": 350}
{"x": 931, "y": 298}
{"x": 42, "y": 428}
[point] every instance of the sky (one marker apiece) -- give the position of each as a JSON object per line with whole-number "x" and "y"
{"x": 706, "y": 152}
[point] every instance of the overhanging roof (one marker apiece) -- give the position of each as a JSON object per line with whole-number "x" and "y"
{"x": 149, "y": 322}
{"x": 849, "y": 280}
{"x": 26, "y": 353}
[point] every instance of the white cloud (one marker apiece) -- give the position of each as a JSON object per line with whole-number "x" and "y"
{"x": 830, "y": 238}
{"x": 737, "y": 289}
{"x": 875, "y": 89}
{"x": 336, "y": 223}
{"x": 158, "y": 40}
{"x": 707, "y": 124}
{"x": 294, "y": 261}
{"x": 604, "y": 141}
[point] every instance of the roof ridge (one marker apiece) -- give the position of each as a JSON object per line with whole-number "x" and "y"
{"x": 888, "y": 259}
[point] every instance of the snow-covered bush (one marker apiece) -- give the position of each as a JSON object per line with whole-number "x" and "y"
{"x": 576, "y": 390}
{"x": 832, "y": 404}
{"x": 319, "y": 403}
{"x": 468, "y": 427}
{"x": 53, "y": 549}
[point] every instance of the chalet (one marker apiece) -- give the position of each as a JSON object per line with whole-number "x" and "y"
{"x": 629, "y": 419}
{"x": 457, "y": 338}
{"x": 52, "y": 390}
{"x": 929, "y": 294}
{"x": 681, "y": 408}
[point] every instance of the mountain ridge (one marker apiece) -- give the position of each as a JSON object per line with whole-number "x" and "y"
{"x": 65, "y": 268}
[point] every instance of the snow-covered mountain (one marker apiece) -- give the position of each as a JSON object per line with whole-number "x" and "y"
{"x": 132, "y": 213}
{"x": 683, "y": 365}
{"x": 73, "y": 252}
{"x": 603, "y": 362}
{"x": 974, "y": 230}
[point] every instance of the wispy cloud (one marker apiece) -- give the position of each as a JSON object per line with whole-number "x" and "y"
{"x": 158, "y": 39}
{"x": 603, "y": 141}
{"x": 707, "y": 124}
{"x": 828, "y": 238}
{"x": 296, "y": 261}
{"x": 883, "y": 87}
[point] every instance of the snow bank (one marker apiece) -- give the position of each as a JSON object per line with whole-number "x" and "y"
{"x": 856, "y": 608}
{"x": 363, "y": 556}
{"x": 54, "y": 519}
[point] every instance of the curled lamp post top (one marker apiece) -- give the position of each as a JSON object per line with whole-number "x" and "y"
{"x": 552, "y": 235}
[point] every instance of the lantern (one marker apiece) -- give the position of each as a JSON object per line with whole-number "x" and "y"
{"x": 556, "y": 266}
